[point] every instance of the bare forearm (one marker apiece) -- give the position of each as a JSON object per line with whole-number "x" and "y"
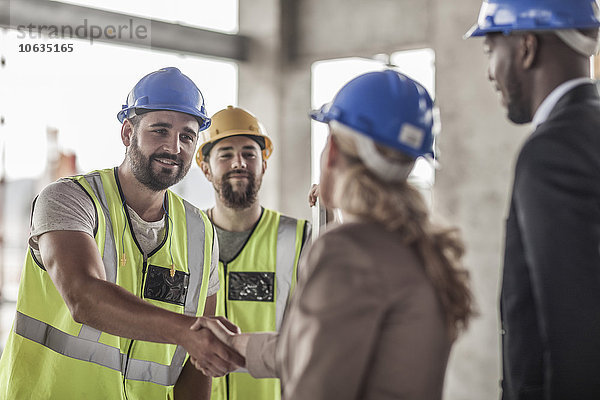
{"x": 192, "y": 384}
{"x": 74, "y": 265}
{"x": 112, "y": 309}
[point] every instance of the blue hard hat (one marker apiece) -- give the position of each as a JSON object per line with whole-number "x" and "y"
{"x": 166, "y": 89}
{"x": 535, "y": 15}
{"x": 386, "y": 106}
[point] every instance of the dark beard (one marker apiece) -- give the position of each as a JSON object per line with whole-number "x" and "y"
{"x": 238, "y": 199}
{"x": 519, "y": 111}
{"x": 141, "y": 166}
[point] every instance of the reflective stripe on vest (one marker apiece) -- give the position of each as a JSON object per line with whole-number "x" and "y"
{"x": 86, "y": 346}
{"x": 286, "y": 255}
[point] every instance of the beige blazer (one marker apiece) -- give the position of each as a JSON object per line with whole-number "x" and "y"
{"x": 364, "y": 323}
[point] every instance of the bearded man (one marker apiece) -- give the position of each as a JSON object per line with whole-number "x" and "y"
{"x": 258, "y": 248}
{"x": 119, "y": 268}
{"x": 539, "y": 61}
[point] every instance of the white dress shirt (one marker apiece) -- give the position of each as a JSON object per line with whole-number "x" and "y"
{"x": 544, "y": 110}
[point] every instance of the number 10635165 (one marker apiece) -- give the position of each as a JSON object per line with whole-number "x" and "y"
{"x": 46, "y": 48}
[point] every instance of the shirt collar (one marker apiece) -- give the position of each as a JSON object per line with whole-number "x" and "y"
{"x": 544, "y": 110}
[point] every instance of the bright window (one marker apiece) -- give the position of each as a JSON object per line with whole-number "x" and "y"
{"x": 221, "y": 15}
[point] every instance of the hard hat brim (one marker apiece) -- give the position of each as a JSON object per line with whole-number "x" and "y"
{"x": 322, "y": 114}
{"x": 474, "y": 31}
{"x": 203, "y": 120}
{"x": 267, "y": 151}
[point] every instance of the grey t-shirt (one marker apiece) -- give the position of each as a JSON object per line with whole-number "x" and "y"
{"x": 64, "y": 206}
{"x": 231, "y": 243}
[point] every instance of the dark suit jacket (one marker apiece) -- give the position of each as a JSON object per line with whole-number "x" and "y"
{"x": 550, "y": 301}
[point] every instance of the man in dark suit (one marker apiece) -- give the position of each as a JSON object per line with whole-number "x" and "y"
{"x": 538, "y": 53}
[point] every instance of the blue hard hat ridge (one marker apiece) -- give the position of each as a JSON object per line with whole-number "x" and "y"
{"x": 381, "y": 105}
{"x": 505, "y": 16}
{"x": 169, "y": 90}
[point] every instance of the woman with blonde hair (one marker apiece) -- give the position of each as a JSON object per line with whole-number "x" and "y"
{"x": 382, "y": 296}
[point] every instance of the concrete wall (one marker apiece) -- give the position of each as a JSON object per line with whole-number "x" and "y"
{"x": 477, "y": 144}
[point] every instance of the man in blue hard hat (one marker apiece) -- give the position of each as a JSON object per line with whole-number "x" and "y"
{"x": 539, "y": 60}
{"x": 119, "y": 268}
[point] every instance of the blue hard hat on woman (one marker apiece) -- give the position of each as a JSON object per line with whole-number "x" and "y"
{"x": 388, "y": 107}
{"x": 166, "y": 89}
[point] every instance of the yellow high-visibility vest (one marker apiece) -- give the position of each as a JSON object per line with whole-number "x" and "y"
{"x": 255, "y": 288}
{"x": 50, "y": 356}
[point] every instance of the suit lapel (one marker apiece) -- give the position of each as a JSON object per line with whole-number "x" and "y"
{"x": 587, "y": 92}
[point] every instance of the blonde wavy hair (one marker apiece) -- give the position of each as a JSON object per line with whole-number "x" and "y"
{"x": 401, "y": 208}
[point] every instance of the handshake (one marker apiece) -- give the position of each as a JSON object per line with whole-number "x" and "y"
{"x": 216, "y": 346}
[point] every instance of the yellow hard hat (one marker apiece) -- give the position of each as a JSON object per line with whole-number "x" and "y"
{"x": 233, "y": 121}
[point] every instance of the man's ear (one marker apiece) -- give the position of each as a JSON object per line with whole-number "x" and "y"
{"x": 264, "y": 165}
{"x": 126, "y": 132}
{"x": 529, "y": 45}
{"x": 205, "y": 167}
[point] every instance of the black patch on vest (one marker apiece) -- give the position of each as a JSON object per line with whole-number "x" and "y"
{"x": 252, "y": 286}
{"x": 161, "y": 286}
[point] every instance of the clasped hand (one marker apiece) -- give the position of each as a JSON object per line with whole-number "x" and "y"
{"x": 218, "y": 343}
